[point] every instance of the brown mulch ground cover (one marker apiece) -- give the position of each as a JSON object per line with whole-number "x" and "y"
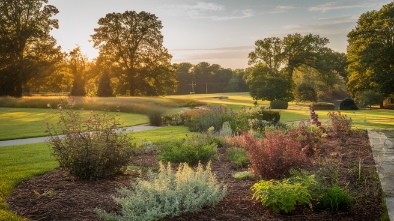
{"x": 57, "y": 196}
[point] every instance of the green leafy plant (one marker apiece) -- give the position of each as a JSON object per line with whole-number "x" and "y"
{"x": 191, "y": 150}
{"x": 323, "y": 106}
{"x": 168, "y": 194}
{"x": 93, "y": 146}
{"x": 336, "y": 198}
{"x": 237, "y": 156}
{"x": 244, "y": 175}
{"x": 281, "y": 196}
{"x": 279, "y": 104}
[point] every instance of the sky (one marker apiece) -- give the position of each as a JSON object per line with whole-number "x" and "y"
{"x": 216, "y": 31}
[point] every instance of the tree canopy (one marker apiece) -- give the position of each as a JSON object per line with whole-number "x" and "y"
{"x": 370, "y": 52}
{"x": 133, "y": 42}
{"x": 27, "y": 50}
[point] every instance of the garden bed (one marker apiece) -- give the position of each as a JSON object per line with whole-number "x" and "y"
{"x": 57, "y": 196}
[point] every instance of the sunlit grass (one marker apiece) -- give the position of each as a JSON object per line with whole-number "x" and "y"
{"x": 31, "y": 122}
{"x": 19, "y": 163}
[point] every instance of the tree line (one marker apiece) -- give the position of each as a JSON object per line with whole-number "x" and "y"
{"x": 133, "y": 61}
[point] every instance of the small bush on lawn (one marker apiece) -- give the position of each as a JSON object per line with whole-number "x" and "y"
{"x": 155, "y": 116}
{"x": 282, "y": 196}
{"x": 91, "y": 147}
{"x": 275, "y": 154}
{"x": 348, "y": 104}
{"x": 244, "y": 175}
{"x": 341, "y": 124}
{"x": 168, "y": 194}
{"x": 191, "y": 151}
{"x": 237, "y": 156}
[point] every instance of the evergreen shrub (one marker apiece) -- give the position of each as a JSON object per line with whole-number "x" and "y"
{"x": 348, "y": 104}
{"x": 279, "y": 104}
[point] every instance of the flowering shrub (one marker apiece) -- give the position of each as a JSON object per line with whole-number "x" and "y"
{"x": 168, "y": 194}
{"x": 341, "y": 124}
{"x": 90, "y": 148}
{"x": 274, "y": 155}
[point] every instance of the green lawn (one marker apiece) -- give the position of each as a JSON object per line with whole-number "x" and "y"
{"x": 30, "y": 122}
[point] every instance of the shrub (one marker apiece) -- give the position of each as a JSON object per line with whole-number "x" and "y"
{"x": 168, "y": 194}
{"x": 273, "y": 156}
{"x": 104, "y": 85}
{"x": 348, "y": 104}
{"x": 155, "y": 116}
{"x": 323, "y": 106}
{"x": 281, "y": 196}
{"x": 278, "y": 104}
{"x": 191, "y": 151}
{"x": 336, "y": 198}
{"x": 244, "y": 175}
{"x": 341, "y": 124}
{"x": 91, "y": 147}
{"x": 272, "y": 117}
{"x": 237, "y": 156}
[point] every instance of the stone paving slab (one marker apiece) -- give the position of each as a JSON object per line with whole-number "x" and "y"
{"x": 382, "y": 143}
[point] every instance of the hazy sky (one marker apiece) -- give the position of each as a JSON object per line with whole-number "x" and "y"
{"x": 216, "y": 31}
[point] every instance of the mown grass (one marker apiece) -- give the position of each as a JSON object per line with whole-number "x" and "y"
{"x": 19, "y": 163}
{"x": 31, "y": 122}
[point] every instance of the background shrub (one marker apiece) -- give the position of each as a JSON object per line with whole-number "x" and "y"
{"x": 168, "y": 194}
{"x": 369, "y": 98}
{"x": 156, "y": 116}
{"x": 278, "y": 104}
{"x": 90, "y": 148}
{"x": 348, "y": 104}
{"x": 191, "y": 151}
{"x": 272, "y": 117}
{"x": 323, "y": 106}
{"x": 200, "y": 120}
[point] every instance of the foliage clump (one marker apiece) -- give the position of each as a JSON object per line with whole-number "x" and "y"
{"x": 104, "y": 86}
{"x": 348, "y": 104}
{"x": 190, "y": 150}
{"x": 323, "y": 106}
{"x": 279, "y": 104}
{"x": 276, "y": 153}
{"x": 168, "y": 194}
{"x": 341, "y": 123}
{"x": 92, "y": 147}
{"x": 237, "y": 156}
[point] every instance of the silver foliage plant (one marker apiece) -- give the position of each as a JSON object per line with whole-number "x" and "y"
{"x": 168, "y": 194}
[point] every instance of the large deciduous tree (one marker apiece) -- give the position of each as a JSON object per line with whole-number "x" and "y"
{"x": 134, "y": 44}
{"x": 27, "y": 50}
{"x": 371, "y": 52}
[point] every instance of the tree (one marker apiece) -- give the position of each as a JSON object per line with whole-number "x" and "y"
{"x": 266, "y": 84}
{"x": 184, "y": 75}
{"x": 134, "y": 44}
{"x": 104, "y": 85}
{"x": 370, "y": 53}
{"x": 27, "y": 50}
{"x": 77, "y": 63}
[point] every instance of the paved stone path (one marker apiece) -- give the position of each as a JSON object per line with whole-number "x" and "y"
{"x": 382, "y": 143}
{"x": 45, "y": 139}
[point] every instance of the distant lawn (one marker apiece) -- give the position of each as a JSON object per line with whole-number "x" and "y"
{"x": 19, "y": 163}
{"x": 30, "y": 122}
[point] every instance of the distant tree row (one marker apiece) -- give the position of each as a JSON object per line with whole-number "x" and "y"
{"x": 133, "y": 61}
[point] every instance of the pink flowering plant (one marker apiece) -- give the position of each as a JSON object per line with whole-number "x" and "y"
{"x": 89, "y": 146}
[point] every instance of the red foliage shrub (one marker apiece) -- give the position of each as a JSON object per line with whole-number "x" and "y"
{"x": 273, "y": 156}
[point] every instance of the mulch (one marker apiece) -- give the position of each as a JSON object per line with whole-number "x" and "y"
{"x": 57, "y": 196}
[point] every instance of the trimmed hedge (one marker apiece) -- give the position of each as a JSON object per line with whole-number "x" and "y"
{"x": 323, "y": 106}
{"x": 278, "y": 104}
